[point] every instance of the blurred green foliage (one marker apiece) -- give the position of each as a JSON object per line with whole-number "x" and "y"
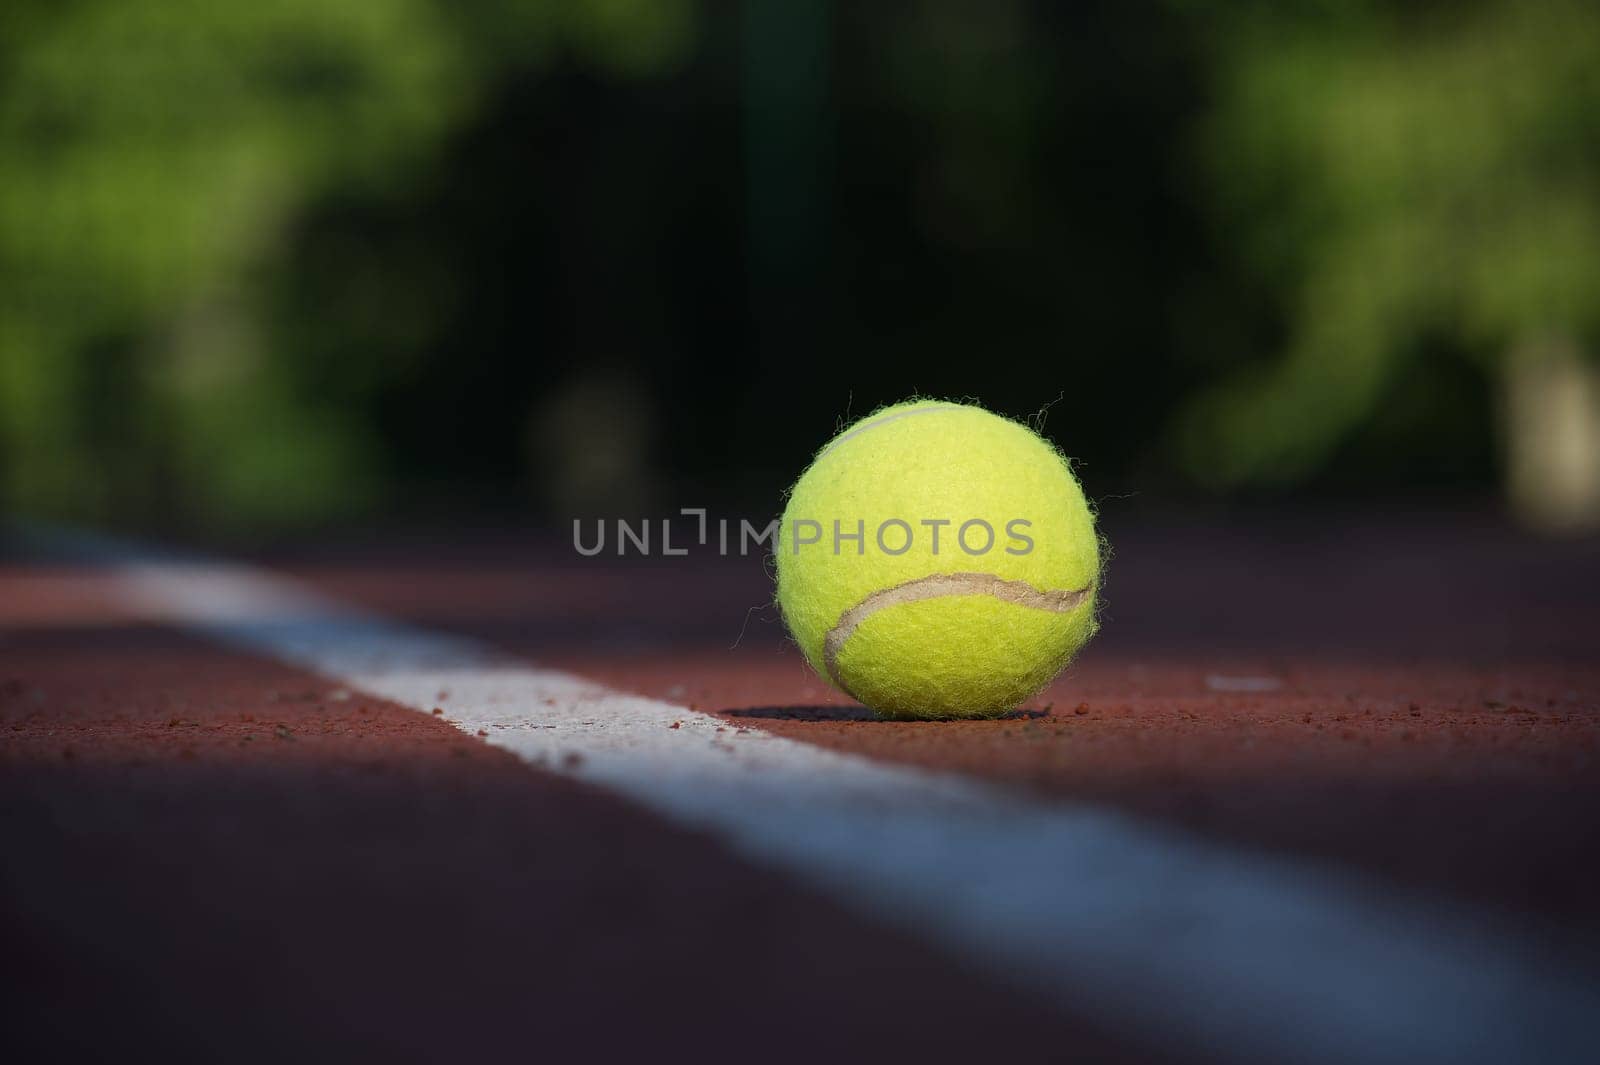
{"x": 154, "y": 158}
{"x": 1394, "y": 176}
{"x": 278, "y": 262}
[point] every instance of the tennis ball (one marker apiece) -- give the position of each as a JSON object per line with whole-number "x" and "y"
{"x": 938, "y": 561}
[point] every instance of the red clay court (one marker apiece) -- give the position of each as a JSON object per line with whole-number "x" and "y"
{"x": 1321, "y": 790}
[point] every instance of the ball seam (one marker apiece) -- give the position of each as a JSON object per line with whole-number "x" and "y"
{"x": 939, "y": 586}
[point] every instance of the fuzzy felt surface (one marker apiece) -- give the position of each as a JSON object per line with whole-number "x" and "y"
{"x": 1004, "y": 624}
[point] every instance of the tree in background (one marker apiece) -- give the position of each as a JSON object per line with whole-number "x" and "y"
{"x": 1398, "y": 177}
{"x": 154, "y": 160}
{"x": 277, "y": 262}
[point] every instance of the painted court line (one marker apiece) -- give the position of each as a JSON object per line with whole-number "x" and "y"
{"x": 1170, "y": 939}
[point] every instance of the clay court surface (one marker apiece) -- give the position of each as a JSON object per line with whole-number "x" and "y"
{"x": 1347, "y": 767}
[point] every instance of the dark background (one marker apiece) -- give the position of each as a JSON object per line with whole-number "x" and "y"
{"x": 274, "y": 268}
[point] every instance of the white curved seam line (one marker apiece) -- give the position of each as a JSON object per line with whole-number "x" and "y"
{"x": 858, "y": 430}
{"x": 938, "y": 586}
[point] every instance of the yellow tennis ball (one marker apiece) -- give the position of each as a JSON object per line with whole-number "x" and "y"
{"x": 938, "y": 561}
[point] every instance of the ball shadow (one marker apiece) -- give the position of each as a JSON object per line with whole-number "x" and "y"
{"x": 850, "y": 713}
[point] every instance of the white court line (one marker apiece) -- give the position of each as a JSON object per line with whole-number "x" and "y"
{"x": 1164, "y": 937}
